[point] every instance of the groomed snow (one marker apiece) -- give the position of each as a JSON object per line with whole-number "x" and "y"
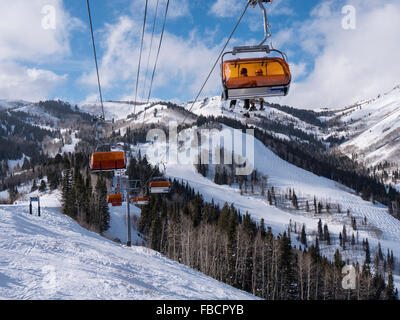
{"x": 51, "y": 257}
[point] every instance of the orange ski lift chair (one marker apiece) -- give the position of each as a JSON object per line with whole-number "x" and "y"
{"x": 115, "y": 199}
{"x": 142, "y": 201}
{"x": 255, "y": 77}
{"x": 107, "y": 161}
{"x": 159, "y": 185}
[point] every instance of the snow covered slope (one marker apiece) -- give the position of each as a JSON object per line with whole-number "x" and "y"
{"x": 51, "y": 257}
{"x": 216, "y": 107}
{"x": 112, "y": 110}
{"x": 374, "y": 128}
{"x": 282, "y": 175}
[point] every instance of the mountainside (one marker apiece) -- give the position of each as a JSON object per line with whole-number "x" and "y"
{"x": 344, "y": 203}
{"x": 372, "y": 128}
{"x": 301, "y": 178}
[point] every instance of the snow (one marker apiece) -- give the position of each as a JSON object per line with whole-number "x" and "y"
{"x": 113, "y": 110}
{"x": 12, "y": 104}
{"x": 382, "y": 227}
{"x": 12, "y": 164}
{"x": 216, "y": 107}
{"x": 118, "y": 225}
{"x": 71, "y": 147}
{"x": 96, "y": 268}
{"x": 51, "y": 257}
{"x": 374, "y": 128}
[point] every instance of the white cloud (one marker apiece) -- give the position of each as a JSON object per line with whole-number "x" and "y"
{"x": 183, "y": 63}
{"x": 279, "y": 7}
{"x": 226, "y": 8}
{"x": 22, "y": 35}
{"x": 23, "y": 41}
{"x": 349, "y": 65}
{"x": 178, "y": 9}
{"x": 18, "y": 82}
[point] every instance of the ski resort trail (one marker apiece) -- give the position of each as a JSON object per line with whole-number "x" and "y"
{"x": 52, "y": 257}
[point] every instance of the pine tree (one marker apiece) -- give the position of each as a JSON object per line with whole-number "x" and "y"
{"x": 390, "y": 290}
{"x": 217, "y": 179}
{"x": 320, "y": 232}
{"x": 269, "y": 196}
{"x": 327, "y": 236}
{"x": 66, "y": 192}
{"x": 104, "y": 214}
{"x": 367, "y": 253}
{"x": 354, "y": 223}
{"x": 294, "y": 200}
{"x": 13, "y": 193}
{"x": 315, "y": 206}
{"x": 156, "y": 233}
{"x": 303, "y": 237}
{"x": 34, "y": 185}
{"x": 286, "y": 268}
{"x": 319, "y": 207}
{"x": 344, "y": 233}
{"x": 273, "y": 194}
{"x": 43, "y": 186}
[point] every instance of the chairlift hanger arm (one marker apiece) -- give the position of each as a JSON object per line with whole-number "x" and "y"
{"x": 267, "y": 27}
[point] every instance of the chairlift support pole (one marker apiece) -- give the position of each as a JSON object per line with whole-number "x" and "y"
{"x": 128, "y": 189}
{"x": 128, "y": 220}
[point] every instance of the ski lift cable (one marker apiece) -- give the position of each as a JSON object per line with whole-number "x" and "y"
{"x": 140, "y": 56}
{"x": 151, "y": 47}
{"x": 95, "y": 59}
{"x": 217, "y": 60}
{"x": 158, "y": 54}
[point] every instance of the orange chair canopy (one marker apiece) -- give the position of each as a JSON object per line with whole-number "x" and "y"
{"x": 108, "y": 160}
{"x": 160, "y": 184}
{"x": 116, "y": 204}
{"x": 115, "y": 199}
{"x": 257, "y": 72}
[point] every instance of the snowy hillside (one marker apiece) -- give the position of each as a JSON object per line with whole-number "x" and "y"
{"x": 382, "y": 227}
{"x": 216, "y": 107}
{"x": 13, "y": 104}
{"x": 29, "y": 108}
{"x": 51, "y": 257}
{"x": 373, "y": 127}
{"x": 373, "y": 134}
{"x": 112, "y": 110}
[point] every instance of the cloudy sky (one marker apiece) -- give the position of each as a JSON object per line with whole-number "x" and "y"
{"x": 332, "y": 66}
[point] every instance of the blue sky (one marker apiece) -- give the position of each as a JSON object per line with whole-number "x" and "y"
{"x": 208, "y": 27}
{"x": 328, "y": 62}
